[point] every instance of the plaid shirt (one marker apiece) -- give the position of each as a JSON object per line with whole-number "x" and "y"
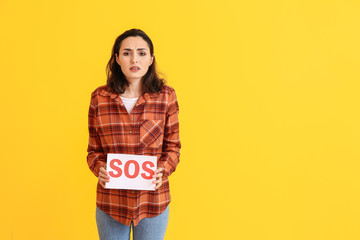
{"x": 152, "y": 128}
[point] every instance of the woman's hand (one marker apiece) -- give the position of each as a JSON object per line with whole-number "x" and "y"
{"x": 103, "y": 177}
{"x": 158, "y": 176}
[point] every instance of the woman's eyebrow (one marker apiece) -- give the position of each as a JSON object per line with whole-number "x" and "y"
{"x": 129, "y": 49}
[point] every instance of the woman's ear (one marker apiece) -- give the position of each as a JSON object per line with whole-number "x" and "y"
{"x": 117, "y": 58}
{"x": 152, "y": 60}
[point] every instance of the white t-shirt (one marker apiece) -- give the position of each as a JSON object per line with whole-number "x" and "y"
{"x": 129, "y": 103}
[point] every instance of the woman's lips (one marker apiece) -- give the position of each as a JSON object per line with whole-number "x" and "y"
{"x": 134, "y": 69}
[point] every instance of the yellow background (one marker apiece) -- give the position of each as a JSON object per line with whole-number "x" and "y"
{"x": 269, "y": 115}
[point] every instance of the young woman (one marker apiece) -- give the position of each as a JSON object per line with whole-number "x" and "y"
{"x": 134, "y": 113}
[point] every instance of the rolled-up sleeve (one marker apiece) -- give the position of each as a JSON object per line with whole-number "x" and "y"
{"x": 96, "y": 157}
{"x": 171, "y": 145}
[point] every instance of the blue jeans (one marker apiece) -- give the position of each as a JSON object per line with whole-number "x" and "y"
{"x": 148, "y": 228}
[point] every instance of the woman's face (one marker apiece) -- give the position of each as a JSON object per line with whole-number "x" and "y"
{"x": 134, "y": 58}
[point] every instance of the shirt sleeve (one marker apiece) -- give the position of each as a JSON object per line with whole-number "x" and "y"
{"x": 96, "y": 157}
{"x": 171, "y": 145}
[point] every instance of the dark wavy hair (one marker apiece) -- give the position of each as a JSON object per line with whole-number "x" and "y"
{"x": 151, "y": 82}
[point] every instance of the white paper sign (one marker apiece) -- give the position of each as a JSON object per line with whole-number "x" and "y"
{"x": 128, "y": 171}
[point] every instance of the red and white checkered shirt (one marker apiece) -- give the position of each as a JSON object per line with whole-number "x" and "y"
{"x": 152, "y": 129}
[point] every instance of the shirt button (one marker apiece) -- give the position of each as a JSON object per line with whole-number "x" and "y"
{"x": 130, "y": 132}
{"x": 132, "y": 191}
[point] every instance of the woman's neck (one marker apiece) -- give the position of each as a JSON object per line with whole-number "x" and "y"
{"x": 134, "y": 89}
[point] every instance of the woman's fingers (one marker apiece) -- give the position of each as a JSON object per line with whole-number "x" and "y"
{"x": 102, "y": 170}
{"x": 103, "y": 173}
{"x": 158, "y": 170}
{"x": 158, "y": 175}
{"x": 158, "y": 185}
{"x": 157, "y": 181}
{"x": 158, "y": 178}
{"x": 104, "y": 179}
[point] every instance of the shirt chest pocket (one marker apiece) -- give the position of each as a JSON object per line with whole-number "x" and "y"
{"x": 151, "y": 133}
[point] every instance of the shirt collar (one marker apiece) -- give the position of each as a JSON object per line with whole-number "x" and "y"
{"x": 109, "y": 92}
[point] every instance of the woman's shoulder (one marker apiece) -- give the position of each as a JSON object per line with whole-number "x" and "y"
{"x": 104, "y": 90}
{"x": 166, "y": 89}
{"x": 165, "y": 94}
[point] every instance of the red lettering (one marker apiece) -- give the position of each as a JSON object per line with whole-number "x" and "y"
{"x": 148, "y": 170}
{"x": 126, "y": 169}
{"x": 116, "y": 168}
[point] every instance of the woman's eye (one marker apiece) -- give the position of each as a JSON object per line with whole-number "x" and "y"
{"x": 126, "y": 53}
{"x": 142, "y": 53}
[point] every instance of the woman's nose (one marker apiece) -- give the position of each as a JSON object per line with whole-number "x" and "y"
{"x": 134, "y": 58}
